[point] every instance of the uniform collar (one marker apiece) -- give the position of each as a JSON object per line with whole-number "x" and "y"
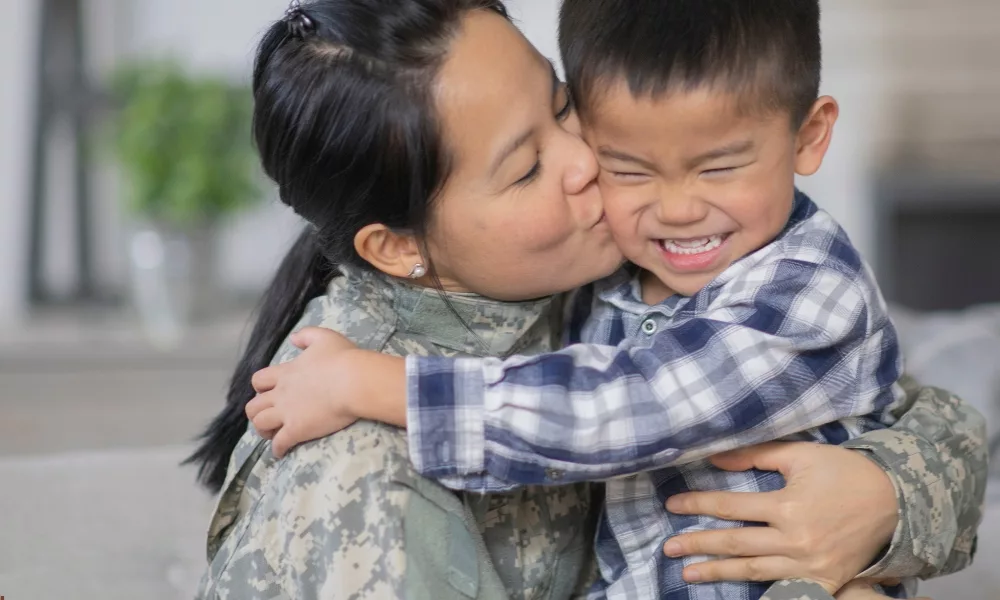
{"x": 466, "y": 323}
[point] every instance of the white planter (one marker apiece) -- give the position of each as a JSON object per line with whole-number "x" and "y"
{"x": 173, "y": 279}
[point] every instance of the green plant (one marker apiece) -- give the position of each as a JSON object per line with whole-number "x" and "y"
{"x": 184, "y": 144}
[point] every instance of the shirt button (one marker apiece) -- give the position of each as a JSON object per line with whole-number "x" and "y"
{"x": 554, "y": 474}
{"x": 649, "y": 327}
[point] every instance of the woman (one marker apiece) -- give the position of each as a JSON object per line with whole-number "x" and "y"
{"x": 399, "y": 130}
{"x": 351, "y": 101}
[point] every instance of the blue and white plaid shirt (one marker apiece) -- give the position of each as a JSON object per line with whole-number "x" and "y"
{"x": 791, "y": 342}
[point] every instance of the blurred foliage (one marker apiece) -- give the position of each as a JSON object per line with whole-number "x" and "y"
{"x": 184, "y": 143}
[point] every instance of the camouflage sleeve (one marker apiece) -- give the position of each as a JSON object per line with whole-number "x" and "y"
{"x": 936, "y": 455}
{"x": 330, "y": 526}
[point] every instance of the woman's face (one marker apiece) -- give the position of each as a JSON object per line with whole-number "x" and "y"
{"x": 521, "y": 215}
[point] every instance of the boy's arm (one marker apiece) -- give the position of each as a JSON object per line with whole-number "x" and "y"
{"x": 936, "y": 455}
{"x": 795, "y": 348}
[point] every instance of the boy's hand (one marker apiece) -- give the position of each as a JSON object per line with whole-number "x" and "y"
{"x": 306, "y": 398}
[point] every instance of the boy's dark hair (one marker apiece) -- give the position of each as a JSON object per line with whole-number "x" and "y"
{"x": 766, "y": 51}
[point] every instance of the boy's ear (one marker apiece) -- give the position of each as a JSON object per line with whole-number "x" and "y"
{"x": 813, "y": 138}
{"x": 388, "y": 251}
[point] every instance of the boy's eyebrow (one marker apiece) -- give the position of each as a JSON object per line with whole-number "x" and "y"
{"x": 520, "y": 140}
{"x": 607, "y": 152}
{"x": 728, "y": 150}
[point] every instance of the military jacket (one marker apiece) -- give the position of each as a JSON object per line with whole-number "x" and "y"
{"x": 346, "y": 516}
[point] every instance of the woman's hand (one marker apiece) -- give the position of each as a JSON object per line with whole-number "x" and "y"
{"x": 298, "y": 401}
{"x": 838, "y": 510}
{"x": 860, "y": 590}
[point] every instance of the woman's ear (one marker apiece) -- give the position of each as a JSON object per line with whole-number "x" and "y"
{"x": 815, "y": 135}
{"x": 392, "y": 253}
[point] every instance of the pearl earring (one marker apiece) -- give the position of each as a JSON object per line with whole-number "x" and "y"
{"x": 418, "y": 271}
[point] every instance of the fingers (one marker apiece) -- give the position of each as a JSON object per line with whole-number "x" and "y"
{"x": 307, "y": 336}
{"x": 774, "y": 456}
{"x": 259, "y": 403}
{"x": 761, "y": 568}
{"x": 268, "y": 420}
{"x": 282, "y": 443}
{"x": 265, "y": 380}
{"x": 731, "y": 506}
{"x": 742, "y": 542}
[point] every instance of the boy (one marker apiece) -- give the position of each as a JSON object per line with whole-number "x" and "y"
{"x": 745, "y": 314}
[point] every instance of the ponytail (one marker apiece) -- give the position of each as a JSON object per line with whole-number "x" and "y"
{"x": 302, "y": 276}
{"x": 345, "y": 122}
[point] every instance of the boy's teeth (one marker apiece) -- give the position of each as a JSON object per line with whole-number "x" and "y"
{"x": 695, "y": 246}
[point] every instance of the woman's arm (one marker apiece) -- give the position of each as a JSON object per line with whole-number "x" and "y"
{"x": 936, "y": 455}
{"x": 314, "y": 518}
{"x": 926, "y": 498}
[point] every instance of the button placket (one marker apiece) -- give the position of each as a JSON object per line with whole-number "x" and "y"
{"x": 649, "y": 326}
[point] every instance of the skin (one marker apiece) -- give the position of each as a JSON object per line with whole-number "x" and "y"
{"x": 516, "y": 149}
{"x": 503, "y": 230}
{"x": 692, "y": 164}
{"x": 792, "y": 544}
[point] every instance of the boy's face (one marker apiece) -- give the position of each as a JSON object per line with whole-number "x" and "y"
{"x": 692, "y": 184}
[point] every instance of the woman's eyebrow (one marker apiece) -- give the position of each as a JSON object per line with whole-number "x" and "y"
{"x": 520, "y": 140}
{"x": 511, "y": 148}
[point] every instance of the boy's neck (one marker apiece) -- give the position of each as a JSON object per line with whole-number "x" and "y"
{"x": 653, "y": 290}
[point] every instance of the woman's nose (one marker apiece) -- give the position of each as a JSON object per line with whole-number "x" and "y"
{"x": 582, "y": 169}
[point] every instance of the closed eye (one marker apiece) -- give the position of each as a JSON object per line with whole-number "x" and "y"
{"x": 630, "y": 175}
{"x": 722, "y": 171}
{"x": 565, "y": 111}
{"x": 530, "y": 175}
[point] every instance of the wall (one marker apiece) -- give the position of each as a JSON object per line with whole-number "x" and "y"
{"x": 220, "y": 36}
{"x": 17, "y": 46}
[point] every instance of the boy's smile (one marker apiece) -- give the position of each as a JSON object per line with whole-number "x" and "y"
{"x": 693, "y": 255}
{"x": 693, "y": 181}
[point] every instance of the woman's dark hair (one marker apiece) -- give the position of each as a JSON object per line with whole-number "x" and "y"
{"x": 345, "y": 123}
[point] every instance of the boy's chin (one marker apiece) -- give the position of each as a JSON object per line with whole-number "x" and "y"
{"x": 691, "y": 284}
{"x": 656, "y": 283}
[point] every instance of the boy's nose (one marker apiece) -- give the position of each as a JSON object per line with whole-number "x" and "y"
{"x": 681, "y": 209}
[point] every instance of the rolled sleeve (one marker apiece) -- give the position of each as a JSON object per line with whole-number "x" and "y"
{"x": 446, "y": 416}
{"x": 936, "y": 457}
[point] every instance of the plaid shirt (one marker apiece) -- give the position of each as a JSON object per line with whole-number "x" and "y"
{"x": 791, "y": 342}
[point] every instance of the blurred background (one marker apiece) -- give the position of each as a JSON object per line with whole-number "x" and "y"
{"x": 136, "y": 233}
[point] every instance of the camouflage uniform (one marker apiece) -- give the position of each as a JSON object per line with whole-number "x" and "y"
{"x": 348, "y": 517}
{"x": 936, "y": 456}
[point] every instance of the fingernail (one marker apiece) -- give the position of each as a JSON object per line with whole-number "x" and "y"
{"x": 672, "y": 548}
{"x": 692, "y": 576}
{"x": 674, "y": 504}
